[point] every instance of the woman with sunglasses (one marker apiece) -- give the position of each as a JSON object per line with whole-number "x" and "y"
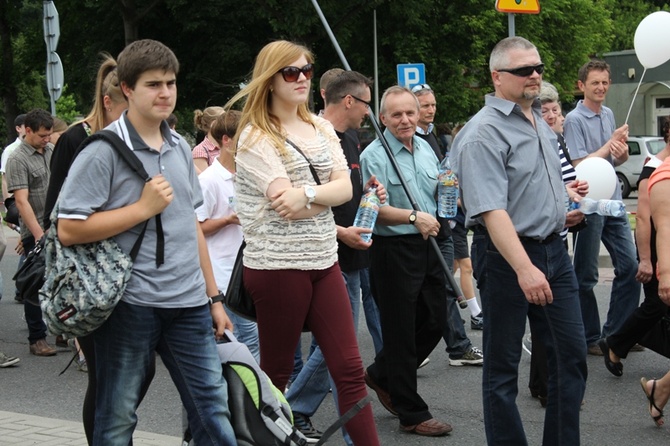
{"x": 290, "y": 171}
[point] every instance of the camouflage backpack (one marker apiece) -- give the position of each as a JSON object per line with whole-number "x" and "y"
{"x": 84, "y": 282}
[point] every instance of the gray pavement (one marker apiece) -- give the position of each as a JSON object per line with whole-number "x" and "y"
{"x": 40, "y": 407}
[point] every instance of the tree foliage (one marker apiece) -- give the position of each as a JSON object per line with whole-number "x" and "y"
{"x": 216, "y": 42}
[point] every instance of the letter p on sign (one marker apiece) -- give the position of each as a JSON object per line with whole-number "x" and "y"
{"x": 410, "y": 75}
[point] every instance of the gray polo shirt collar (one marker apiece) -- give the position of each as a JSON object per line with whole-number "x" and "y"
{"x": 508, "y": 107}
{"x": 125, "y": 129}
{"x": 585, "y": 111}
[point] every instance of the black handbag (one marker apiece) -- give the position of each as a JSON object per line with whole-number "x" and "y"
{"x": 236, "y": 298}
{"x": 12, "y": 215}
{"x": 30, "y": 277}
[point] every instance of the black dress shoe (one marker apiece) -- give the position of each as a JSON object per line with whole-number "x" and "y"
{"x": 615, "y": 368}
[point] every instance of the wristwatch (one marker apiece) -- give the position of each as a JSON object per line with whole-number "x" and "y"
{"x": 412, "y": 218}
{"x": 218, "y": 298}
{"x": 310, "y": 193}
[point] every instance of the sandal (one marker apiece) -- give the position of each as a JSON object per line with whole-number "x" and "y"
{"x": 658, "y": 419}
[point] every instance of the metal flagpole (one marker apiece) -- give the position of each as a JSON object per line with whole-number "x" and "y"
{"x": 373, "y": 119}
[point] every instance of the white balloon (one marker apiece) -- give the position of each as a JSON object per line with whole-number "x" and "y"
{"x": 652, "y": 39}
{"x": 600, "y": 175}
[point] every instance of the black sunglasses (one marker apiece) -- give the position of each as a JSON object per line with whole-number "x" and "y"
{"x": 524, "y": 71}
{"x": 292, "y": 74}
{"x": 357, "y": 99}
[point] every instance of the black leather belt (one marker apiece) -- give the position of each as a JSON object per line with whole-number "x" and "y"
{"x": 549, "y": 239}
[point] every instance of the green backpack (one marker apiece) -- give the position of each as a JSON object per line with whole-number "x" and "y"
{"x": 260, "y": 414}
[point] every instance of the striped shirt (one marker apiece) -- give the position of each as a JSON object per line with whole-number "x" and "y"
{"x": 567, "y": 171}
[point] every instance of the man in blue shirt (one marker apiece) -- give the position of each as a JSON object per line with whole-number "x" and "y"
{"x": 590, "y": 132}
{"x": 406, "y": 276}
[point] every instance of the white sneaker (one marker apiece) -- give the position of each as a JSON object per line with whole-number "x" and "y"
{"x": 7, "y": 361}
{"x": 424, "y": 363}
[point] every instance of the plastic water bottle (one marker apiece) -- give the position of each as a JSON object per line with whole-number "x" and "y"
{"x": 368, "y": 209}
{"x": 447, "y": 191}
{"x": 608, "y": 208}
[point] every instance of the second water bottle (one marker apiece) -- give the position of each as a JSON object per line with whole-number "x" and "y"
{"x": 447, "y": 191}
{"x": 366, "y": 216}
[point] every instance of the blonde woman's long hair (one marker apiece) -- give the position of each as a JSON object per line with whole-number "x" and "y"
{"x": 256, "y": 112}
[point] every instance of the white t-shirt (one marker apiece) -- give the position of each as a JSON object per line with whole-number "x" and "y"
{"x": 8, "y": 151}
{"x": 218, "y": 191}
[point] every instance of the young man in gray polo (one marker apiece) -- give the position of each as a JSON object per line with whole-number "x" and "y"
{"x": 165, "y": 306}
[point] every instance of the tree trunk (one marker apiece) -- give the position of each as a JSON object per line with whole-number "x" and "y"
{"x": 131, "y": 18}
{"x": 7, "y": 88}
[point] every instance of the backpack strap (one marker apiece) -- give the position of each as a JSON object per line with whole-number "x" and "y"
{"x": 344, "y": 419}
{"x": 136, "y": 166}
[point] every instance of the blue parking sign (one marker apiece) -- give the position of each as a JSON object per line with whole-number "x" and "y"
{"x": 411, "y": 74}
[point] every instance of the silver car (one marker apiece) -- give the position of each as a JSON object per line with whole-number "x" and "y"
{"x": 640, "y": 148}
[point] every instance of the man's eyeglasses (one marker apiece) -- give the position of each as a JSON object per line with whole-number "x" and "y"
{"x": 418, "y": 88}
{"x": 292, "y": 74}
{"x": 524, "y": 71}
{"x": 358, "y": 99}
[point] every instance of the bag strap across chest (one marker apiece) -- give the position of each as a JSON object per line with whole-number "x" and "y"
{"x": 136, "y": 166}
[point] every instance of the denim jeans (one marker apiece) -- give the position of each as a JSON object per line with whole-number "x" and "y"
{"x": 454, "y": 335}
{"x": 246, "y": 332}
{"x": 625, "y": 297}
{"x": 371, "y": 311}
{"x": 353, "y": 282}
{"x": 183, "y": 337}
{"x": 557, "y": 325}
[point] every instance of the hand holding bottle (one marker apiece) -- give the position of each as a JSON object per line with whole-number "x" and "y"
{"x": 608, "y": 208}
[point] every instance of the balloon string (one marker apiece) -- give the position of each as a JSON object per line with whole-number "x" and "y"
{"x": 635, "y": 95}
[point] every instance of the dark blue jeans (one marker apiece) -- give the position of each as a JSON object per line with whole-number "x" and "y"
{"x": 124, "y": 350}
{"x": 558, "y": 326}
{"x": 454, "y": 335}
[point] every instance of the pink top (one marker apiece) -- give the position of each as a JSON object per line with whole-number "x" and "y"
{"x": 206, "y": 149}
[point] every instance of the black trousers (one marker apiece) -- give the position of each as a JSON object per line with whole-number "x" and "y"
{"x": 658, "y": 338}
{"x": 408, "y": 283}
{"x": 647, "y": 315}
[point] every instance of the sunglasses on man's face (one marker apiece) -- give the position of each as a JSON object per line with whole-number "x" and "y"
{"x": 524, "y": 71}
{"x": 292, "y": 74}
